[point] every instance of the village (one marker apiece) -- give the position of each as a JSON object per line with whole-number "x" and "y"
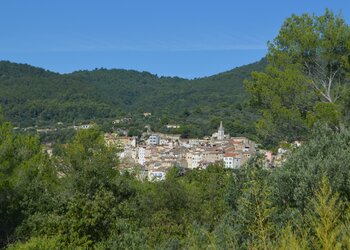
{"x": 160, "y": 152}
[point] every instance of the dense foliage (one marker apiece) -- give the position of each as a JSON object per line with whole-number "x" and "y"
{"x": 78, "y": 198}
{"x": 32, "y": 96}
{"x": 307, "y": 79}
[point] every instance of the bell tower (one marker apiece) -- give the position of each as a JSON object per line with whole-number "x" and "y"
{"x": 221, "y": 132}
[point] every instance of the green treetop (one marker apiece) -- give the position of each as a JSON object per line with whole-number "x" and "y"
{"x": 306, "y": 77}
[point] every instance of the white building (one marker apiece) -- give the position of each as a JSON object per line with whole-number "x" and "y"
{"x": 153, "y": 140}
{"x": 193, "y": 159}
{"x": 141, "y": 156}
{"x": 156, "y": 175}
{"x": 232, "y": 160}
{"x": 85, "y": 126}
{"x": 282, "y": 151}
{"x": 172, "y": 126}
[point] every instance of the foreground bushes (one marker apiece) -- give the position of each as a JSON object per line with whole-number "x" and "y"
{"x": 78, "y": 199}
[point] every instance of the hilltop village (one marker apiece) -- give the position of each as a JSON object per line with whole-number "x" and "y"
{"x": 159, "y": 152}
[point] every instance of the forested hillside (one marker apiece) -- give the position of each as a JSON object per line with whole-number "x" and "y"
{"x": 32, "y": 96}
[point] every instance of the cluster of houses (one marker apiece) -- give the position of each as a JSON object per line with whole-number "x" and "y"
{"x": 159, "y": 152}
{"x": 155, "y": 153}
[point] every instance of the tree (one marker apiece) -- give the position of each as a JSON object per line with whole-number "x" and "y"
{"x": 87, "y": 164}
{"x": 255, "y": 210}
{"x": 307, "y": 75}
{"x": 39, "y": 243}
{"x": 289, "y": 240}
{"x": 90, "y": 194}
{"x": 326, "y": 154}
{"x": 26, "y": 180}
{"x": 321, "y": 45}
{"x": 89, "y": 219}
{"x": 324, "y": 217}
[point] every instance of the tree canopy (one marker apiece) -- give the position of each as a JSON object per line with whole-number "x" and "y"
{"x": 79, "y": 199}
{"x": 307, "y": 77}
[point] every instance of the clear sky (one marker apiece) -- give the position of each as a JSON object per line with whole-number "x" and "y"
{"x": 187, "y": 38}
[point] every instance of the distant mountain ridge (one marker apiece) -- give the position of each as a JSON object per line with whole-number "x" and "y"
{"x": 10, "y": 69}
{"x": 31, "y": 95}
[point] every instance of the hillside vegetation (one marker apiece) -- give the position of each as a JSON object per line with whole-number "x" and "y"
{"x": 32, "y": 96}
{"x": 77, "y": 199}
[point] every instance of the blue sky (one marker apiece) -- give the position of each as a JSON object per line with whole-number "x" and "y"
{"x": 187, "y": 38}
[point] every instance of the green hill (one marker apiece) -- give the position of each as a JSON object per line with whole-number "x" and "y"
{"x": 34, "y": 96}
{"x": 9, "y": 69}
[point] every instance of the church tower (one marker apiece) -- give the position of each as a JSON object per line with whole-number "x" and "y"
{"x": 221, "y": 132}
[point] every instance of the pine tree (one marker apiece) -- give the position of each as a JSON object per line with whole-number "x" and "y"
{"x": 324, "y": 218}
{"x": 255, "y": 210}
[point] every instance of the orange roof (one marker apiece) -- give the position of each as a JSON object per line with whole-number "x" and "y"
{"x": 230, "y": 155}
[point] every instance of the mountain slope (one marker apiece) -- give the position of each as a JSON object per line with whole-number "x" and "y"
{"x": 9, "y": 69}
{"x": 34, "y": 96}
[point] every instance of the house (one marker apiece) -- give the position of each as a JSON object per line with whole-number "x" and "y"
{"x": 193, "y": 159}
{"x": 85, "y": 126}
{"x": 172, "y": 126}
{"x": 156, "y": 175}
{"x": 142, "y": 156}
{"x": 212, "y": 155}
{"x": 153, "y": 140}
{"x": 269, "y": 158}
{"x": 232, "y": 160}
{"x": 282, "y": 151}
